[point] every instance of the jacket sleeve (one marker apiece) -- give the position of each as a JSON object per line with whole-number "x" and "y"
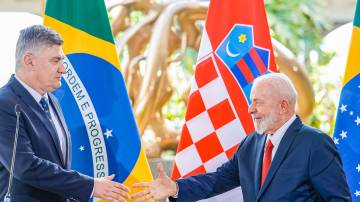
{"x": 326, "y": 172}
{"x": 208, "y": 185}
{"x": 35, "y": 171}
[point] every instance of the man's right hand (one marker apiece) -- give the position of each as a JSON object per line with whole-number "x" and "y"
{"x": 161, "y": 188}
{"x": 107, "y": 189}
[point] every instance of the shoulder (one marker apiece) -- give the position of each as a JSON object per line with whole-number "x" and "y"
{"x": 250, "y": 142}
{"x": 7, "y": 98}
{"x": 314, "y": 135}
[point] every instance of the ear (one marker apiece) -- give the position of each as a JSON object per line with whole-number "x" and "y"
{"x": 284, "y": 106}
{"x": 29, "y": 61}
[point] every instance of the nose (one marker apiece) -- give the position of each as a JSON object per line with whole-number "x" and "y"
{"x": 251, "y": 109}
{"x": 61, "y": 68}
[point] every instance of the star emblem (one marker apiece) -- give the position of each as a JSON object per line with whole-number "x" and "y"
{"x": 357, "y": 121}
{"x": 336, "y": 140}
{"x": 242, "y": 38}
{"x": 351, "y": 113}
{"x": 343, "y": 134}
{"x": 343, "y": 108}
{"x": 357, "y": 193}
{"x": 108, "y": 133}
{"x": 81, "y": 148}
{"x": 358, "y": 167}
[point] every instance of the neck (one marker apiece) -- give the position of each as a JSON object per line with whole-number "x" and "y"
{"x": 280, "y": 122}
{"x": 30, "y": 82}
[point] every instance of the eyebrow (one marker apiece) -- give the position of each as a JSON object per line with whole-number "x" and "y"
{"x": 58, "y": 58}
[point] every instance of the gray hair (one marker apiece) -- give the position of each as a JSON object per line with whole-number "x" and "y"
{"x": 34, "y": 37}
{"x": 281, "y": 84}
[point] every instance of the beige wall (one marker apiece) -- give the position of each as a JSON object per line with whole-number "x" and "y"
{"x": 32, "y": 6}
{"x": 339, "y": 11}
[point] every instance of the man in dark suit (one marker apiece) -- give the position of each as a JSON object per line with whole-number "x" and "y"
{"x": 42, "y": 167}
{"x": 284, "y": 160}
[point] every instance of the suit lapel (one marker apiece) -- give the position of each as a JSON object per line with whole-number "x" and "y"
{"x": 281, "y": 153}
{"x": 258, "y": 160}
{"x": 25, "y": 96}
{"x": 61, "y": 118}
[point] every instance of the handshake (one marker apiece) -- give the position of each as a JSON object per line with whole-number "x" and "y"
{"x": 160, "y": 188}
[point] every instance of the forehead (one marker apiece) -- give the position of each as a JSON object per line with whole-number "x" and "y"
{"x": 52, "y": 51}
{"x": 261, "y": 90}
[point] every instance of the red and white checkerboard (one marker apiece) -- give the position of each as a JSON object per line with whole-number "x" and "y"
{"x": 212, "y": 131}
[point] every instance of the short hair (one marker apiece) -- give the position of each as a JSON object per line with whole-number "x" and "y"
{"x": 34, "y": 37}
{"x": 281, "y": 83}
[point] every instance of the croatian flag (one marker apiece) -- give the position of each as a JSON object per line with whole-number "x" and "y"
{"x": 235, "y": 49}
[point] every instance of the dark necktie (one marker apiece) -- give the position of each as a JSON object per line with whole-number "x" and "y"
{"x": 267, "y": 160}
{"x": 45, "y": 106}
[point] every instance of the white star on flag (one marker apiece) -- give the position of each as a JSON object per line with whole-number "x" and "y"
{"x": 358, "y": 168}
{"x": 343, "y": 134}
{"x": 357, "y": 193}
{"x": 357, "y": 121}
{"x": 336, "y": 140}
{"x": 108, "y": 133}
{"x": 81, "y": 148}
{"x": 343, "y": 108}
{"x": 351, "y": 113}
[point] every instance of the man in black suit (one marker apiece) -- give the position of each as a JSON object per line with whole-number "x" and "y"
{"x": 42, "y": 168}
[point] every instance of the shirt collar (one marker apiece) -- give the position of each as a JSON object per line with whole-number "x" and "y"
{"x": 279, "y": 134}
{"x": 37, "y": 96}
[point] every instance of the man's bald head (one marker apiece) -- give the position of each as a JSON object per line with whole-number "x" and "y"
{"x": 278, "y": 85}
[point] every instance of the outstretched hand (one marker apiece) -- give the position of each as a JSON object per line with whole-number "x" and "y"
{"x": 109, "y": 190}
{"x": 158, "y": 189}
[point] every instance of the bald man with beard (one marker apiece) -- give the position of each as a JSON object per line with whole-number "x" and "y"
{"x": 284, "y": 160}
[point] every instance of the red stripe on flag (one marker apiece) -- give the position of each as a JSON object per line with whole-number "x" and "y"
{"x": 185, "y": 140}
{"x": 200, "y": 170}
{"x": 205, "y": 72}
{"x": 244, "y": 68}
{"x": 237, "y": 97}
{"x": 226, "y": 112}
{"x": 195, "y": 105}
{"x": 176, "y": 173}
{"x": 257, "y": 60}
{"x": 209, "y": 147}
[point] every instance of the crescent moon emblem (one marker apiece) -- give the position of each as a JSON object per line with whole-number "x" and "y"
{"x": 229, "y": 52}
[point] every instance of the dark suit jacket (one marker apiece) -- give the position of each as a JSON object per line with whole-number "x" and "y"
{"x": 41, "y": 172}
{"x": 306, "y": 167}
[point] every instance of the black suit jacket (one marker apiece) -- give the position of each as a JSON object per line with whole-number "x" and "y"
{"x": 306, "y": 167}
{"x": 41, "y": 171}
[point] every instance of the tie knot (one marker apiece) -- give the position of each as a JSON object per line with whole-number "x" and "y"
{"x": 44, "y": 104}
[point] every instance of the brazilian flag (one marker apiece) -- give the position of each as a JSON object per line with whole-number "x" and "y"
{"x": 347, "y": 127}
{"x": 96, "y": 106}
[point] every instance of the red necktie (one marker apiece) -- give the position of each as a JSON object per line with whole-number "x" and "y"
{"x": 267, "y": 160}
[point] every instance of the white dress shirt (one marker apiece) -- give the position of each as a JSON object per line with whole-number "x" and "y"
{"x": 59, "y": 130}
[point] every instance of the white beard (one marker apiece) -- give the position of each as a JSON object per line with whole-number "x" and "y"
{"x": 265, "y": 123}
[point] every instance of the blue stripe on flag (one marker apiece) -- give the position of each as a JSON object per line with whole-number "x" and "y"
{"x": 264, "y": 56}
{"x": 239, "y": 75}
{"x": 252, "y": 66}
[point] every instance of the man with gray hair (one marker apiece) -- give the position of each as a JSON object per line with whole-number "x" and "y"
{"x": 284, "y": 160}
{"x": 42, "y": 167}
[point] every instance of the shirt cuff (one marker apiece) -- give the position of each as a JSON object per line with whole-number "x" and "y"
{"x": 177, "y": 191}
